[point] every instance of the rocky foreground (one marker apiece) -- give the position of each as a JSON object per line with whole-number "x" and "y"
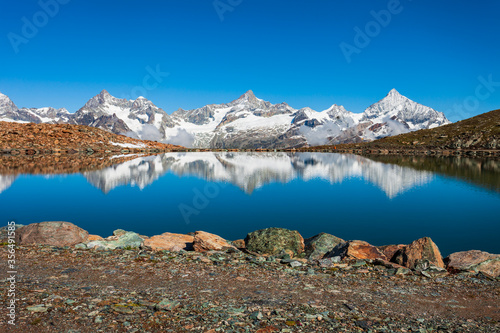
{"x": 271, "y": 281}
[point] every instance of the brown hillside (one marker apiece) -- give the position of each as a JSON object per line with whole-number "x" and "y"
{"x": 31, "y": 139}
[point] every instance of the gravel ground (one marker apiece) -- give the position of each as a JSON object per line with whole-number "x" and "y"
{"x": 68, "y": 290}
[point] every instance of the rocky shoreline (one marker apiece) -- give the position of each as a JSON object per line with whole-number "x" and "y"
{"x": 271, "y": 281}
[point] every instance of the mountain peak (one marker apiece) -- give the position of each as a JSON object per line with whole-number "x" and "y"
{"x": 104, "y": 93}
{"x": 6, "y": 103}
{"x": 394, "y": 97}
{"x": 247, "y": 96}
{"x": 394, "y": 92}
{"x": 249, "y": 93}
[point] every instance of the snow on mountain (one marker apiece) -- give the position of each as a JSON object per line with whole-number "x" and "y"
{"x": 396, "y": 114}
{"x": 246, "y": 122}
{"x": 326, "y": 126}
{"x": 10, "y": 112}
{"x": 6, "y": 105}
{"x": 138, "y": 118}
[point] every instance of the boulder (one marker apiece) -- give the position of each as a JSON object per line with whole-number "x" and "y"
{"x": 204, "y": 241}
{"x": 356, "y": 249}
{"x": 51, "y": 233}
{"x": 474, "y": 260}
{"x": 94, "y": 237}
{"x": 128, "y": 239}
{"x": 170, "y": 242}
{"x": 390, "y": 250}
{"x": 418, "y": 251}
{"x": 317, "y": 246}
{"x": 274, "y": 240}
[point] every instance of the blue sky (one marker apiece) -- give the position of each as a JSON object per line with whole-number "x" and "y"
{"x": 436, "y": 53}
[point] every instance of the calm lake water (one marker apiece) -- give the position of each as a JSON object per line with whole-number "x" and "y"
{"x": 384, "y": 200}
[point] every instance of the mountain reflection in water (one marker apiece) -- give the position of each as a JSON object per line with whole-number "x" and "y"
{"x": 249, "y": 171}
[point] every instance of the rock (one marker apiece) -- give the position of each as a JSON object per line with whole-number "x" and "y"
{"x": 127, "y": 240}
{"x": 329, "y": 262}
{"x": 267, "y": 329}
{"x": 119, "y": 232}
{"x": 239, "y": 243}
{"x": 51, "y": 233}
{"x": 402, "y": 271}
{"x": 37, "y": 308}
{"x": 274, "y": 240}
{"x": 390, "y": 250}
{"x": 81, "y": 246}
{"x": 122, "y": 308}
{"x": 474, "y": 260}
{"x": 386, "y": 264}
{"x": 167, "y": 305}
{"x": 94, "y": 237}
{"x": 419, "y": 250}
{"x": 317, "y": 246}
{"x": 204, "y": 241}
{"x": 359, "y": 263}
{"x": 257, "y": 315}
{"x": 356, "y": 250}
{"x": 170, "y": 242}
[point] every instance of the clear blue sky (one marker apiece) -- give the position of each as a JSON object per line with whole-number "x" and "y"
{"x": 431, "y": 51}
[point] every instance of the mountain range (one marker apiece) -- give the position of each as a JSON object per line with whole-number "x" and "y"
{"x": 247, "y": 122}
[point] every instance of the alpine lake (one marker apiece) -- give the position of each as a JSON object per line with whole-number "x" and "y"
{"x": 378, "y": 199}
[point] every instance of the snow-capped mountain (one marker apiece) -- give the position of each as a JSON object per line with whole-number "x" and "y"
{"x": 10, "y": 112}
{"x": 247, "y": 122}
{"x": 396, "y": 114}
{"x": 138, "y": 118}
